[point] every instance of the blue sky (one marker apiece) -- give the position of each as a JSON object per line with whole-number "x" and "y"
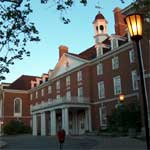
{"x": 78, "y": 35}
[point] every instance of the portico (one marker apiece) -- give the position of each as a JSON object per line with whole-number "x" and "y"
{"x": 74, "y": 118}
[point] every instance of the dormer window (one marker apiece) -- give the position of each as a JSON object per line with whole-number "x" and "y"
{"x": 99, "y": 51}
{"x": 114, "y": 43}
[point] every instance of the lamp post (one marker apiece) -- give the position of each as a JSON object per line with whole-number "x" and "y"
{"x": 134, "y": 23}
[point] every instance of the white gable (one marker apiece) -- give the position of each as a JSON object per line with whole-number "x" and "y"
{"x": 67, "y": 63}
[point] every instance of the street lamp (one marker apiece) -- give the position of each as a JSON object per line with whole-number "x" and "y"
{"x": 134, "y": 23}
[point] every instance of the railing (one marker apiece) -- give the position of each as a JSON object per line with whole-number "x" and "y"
{"x": 61, "y": 100}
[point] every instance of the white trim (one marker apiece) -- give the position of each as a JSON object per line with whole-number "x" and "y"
{"x": 16, "y": 91}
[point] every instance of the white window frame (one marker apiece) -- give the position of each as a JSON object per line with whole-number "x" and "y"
{"x": 80, "y": 91}
{"x": 42, "y": 92}
{"x": 36, "y": 94}
{"x": 99, "y": 51}
{"x": 68, "y": 94}
{"x": 99, "y": 69}
{"x": 115, "y": 62}
{"x": 101, "y": 89}
{"x": 49, "y": 89}
{"x": 103, "y": 117}
{"x": 68, "y": 81}
{"x": 114, "y": 43}
{"x": 79, "y": 75}
{"x": 117, "y": 85}
{"x": 18, "y": 114}
{"x": 132, "y": 56}
{"x": 58, "y": 85}
{"x": 134, "y": 80}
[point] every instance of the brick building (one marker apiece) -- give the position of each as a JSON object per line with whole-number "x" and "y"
{"x": 82, "y": 89}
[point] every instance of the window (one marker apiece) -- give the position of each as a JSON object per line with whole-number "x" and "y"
{"x": 58, "y": 96}
{"x": 68, "y": 94}
{"x": 131, "y": 56}
{"x": 36, "y": 94}
{"x": 103, "y": 116}
{"x": 99, "y": 69}
{"x": 58, "y": 85}
{"x": 101, "y": 27}
{"x": 79, "y": 76}
{"x": 68, "y": 81}
{"x": 99, "y": 51}
{"x": 80, "y": 91}
{"x": 49, "y": 89}
{"x": 42, "y": 92}
{"x": 115, "y": 63}
{"x": 114, "y": 43}
{"x": 134, "y": 80}
{"x": 101, "y": 89}
{"x": 17, "y": 107}
{"x": 31, "y": 96}
{"x": 117, "y": 85}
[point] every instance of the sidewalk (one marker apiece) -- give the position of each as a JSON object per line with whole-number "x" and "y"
{"x": 2, "y": 144}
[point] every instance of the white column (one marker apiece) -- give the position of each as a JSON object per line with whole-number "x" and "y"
{"x": 65, "y": 120}
{"x": 89, "y": 120}
{"x": 43, "y": 124}
{"x": 34, "y": 125}
{"x": 53, "y": 122}
{"x": 86, "y": 119}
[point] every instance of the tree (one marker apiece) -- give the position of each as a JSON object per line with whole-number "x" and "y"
{"x": 15, "y": 31}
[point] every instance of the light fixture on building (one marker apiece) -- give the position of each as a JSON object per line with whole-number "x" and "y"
{"x": 121, "y": 98}
{"x": 134, "y": 23}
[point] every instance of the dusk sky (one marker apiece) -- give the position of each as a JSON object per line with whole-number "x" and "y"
{"x": 78, "y": 35}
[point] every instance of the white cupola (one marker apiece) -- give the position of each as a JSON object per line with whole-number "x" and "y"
{"x": 100, "y": 28}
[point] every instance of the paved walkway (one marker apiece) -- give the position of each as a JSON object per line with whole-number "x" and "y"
{"x": 29, "y": 142}
{"x": 2, "y": 144}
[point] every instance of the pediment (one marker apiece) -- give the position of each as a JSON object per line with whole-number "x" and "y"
{"x": 67, "y": 63}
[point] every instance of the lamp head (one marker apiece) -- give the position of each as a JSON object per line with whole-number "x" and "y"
{"x": 134, "y": 23}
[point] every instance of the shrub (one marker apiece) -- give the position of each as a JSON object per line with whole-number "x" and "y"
{"x": 15, "y": 127}
{"x": 125, "y": 117}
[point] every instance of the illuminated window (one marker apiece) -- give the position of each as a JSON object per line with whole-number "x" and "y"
{"x": 117, "y": 85}
{"x": 101, "y": 89}
{"x": 18, "y": 107}
{"x": 134, "y": 80}
{"x": 115, "y": 63}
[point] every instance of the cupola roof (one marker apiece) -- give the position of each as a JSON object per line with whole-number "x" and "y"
{"x": 99, "y": 16}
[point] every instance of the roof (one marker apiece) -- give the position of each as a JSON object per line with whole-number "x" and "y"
{"x": 99, "y": 16}
{"x": 89, "y": 53}
{"x": 22, "y": 83}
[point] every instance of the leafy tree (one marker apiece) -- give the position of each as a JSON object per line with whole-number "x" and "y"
{"x": 15, "y": 31}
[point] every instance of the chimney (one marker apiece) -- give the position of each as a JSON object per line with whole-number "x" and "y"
{"x": 62, "y": 49}
{"x": 120, "y": 26}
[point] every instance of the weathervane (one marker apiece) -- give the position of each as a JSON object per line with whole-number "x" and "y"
{"x": 97, "y": 6}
